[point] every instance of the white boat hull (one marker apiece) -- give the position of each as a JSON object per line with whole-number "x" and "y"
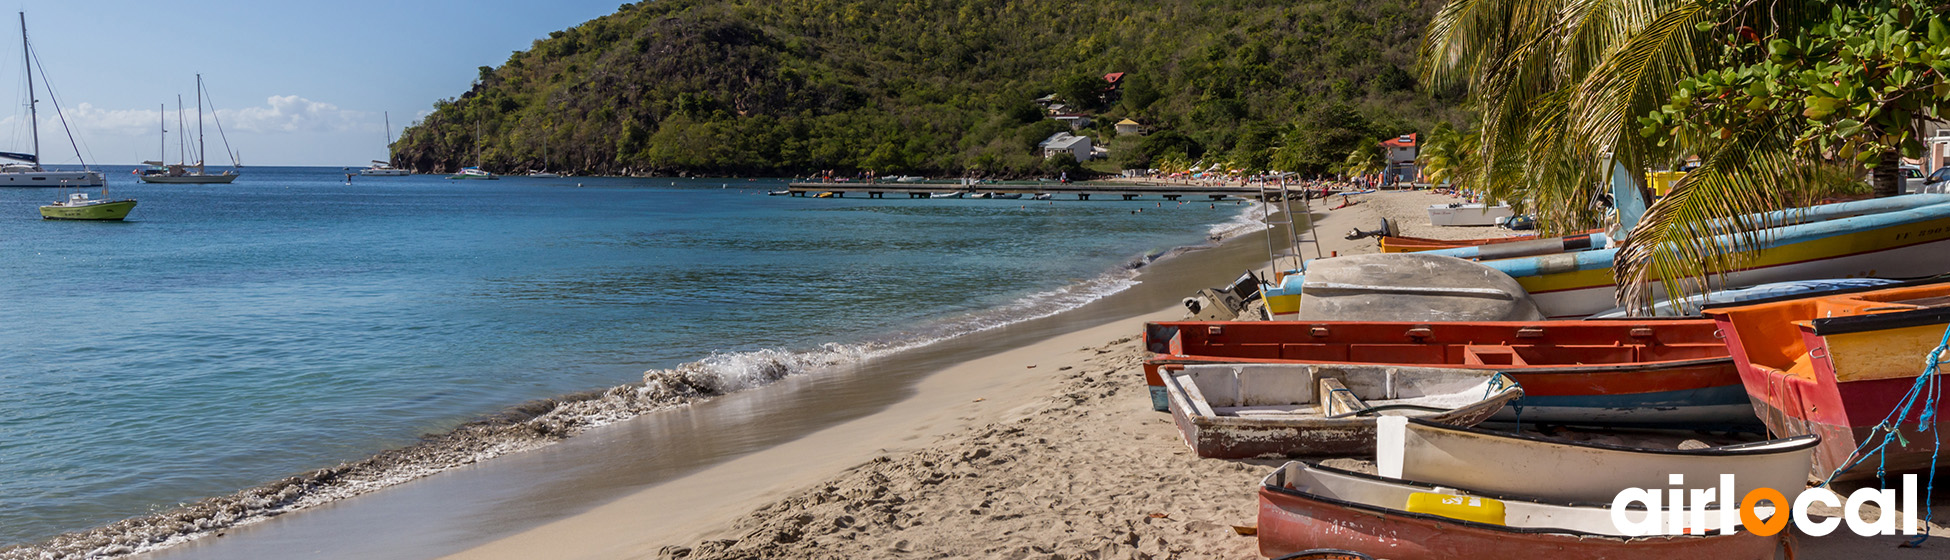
{"x": 52, "y": 179}
{"x": 190, "y": 179}
{"x": 384, "y": 173}
{"x": 1467, "y": 215}
{"x": 1559, "y": 470}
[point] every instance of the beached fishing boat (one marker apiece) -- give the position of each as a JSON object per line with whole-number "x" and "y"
{"x": 1672, "y": 373}
{"x": 1896, "y": 237}
{"x": 1472, "y": 214}
{"x": 79, "y": 206}
{"x": 1839, "y": 365}
{"x": 1248, "y": 410}
{"x": 1406, "y": 244}
{"x": 1567, "y": 471}
{"x": 1304, "y": 506}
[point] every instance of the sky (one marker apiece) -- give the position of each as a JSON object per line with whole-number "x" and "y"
{"x": 293, "y": 82}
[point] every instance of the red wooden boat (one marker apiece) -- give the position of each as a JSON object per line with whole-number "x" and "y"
{"x": 1653, "y": 373}
{"x": 1838, "y": 365}
{"x": 1304, "y": 506}
{"x": 1406, "y": 244}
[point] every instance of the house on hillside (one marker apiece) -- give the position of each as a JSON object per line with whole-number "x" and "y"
{"x": 1064, "y": 143}
{"x": 1399, "y": 155}
{"x": 1128, "y": 127}
{"x": 1113, "y": 87}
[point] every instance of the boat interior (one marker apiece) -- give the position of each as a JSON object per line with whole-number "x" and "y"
{"x": 1270, "y": 390}
{"x": 1513, "y": 344}
{"x": 1516, "y": 513}
{"x": 1785, "y": 351}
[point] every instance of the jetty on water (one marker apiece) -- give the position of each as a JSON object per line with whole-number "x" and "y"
{"x": 1082, "y": 191}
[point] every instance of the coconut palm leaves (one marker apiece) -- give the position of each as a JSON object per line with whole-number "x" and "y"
{"x": 1562, "y": 87}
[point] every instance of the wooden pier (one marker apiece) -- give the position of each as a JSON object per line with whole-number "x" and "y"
{"x": 1080, "y": 191}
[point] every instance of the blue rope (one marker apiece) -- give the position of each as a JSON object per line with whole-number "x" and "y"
{"x": 1929, "y": 389}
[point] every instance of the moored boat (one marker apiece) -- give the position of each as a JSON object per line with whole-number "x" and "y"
{"x": 79, "y": 206}
{"x": 946, "y": 195}
{"x": 1007, "y": 196}
{"x": 1568, "y": 471}
{"x": 1248, "y": 410}
{"x": 1841, "y": 365}
{"x": 473, "y": 173}
{"x": 1652, "y": 373}
{"x": 1304, "y": 506}
{"x": 383, "y": 169}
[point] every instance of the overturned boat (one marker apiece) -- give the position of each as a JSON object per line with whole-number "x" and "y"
{"x": 1249, "y": 410}
{"x": 1649, "y": 373}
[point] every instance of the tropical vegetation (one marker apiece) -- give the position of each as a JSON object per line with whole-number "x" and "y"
{"x": 1781, "y": 103}
{"x": 793, "y": 87}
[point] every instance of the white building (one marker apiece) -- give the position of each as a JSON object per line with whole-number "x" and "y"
{"x": 1064, "y": 143}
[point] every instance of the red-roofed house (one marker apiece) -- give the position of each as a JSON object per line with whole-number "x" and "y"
{"x": 1399, "y": 153}
{"x": 1115, "y": 78}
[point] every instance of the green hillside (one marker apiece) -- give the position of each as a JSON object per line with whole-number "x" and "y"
{"x": 720, "y": 87}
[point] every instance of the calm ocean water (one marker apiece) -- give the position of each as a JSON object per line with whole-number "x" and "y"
{"x": 229, "y": 335}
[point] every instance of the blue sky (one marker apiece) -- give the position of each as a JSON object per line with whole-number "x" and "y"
{"x": 297, "y": 83}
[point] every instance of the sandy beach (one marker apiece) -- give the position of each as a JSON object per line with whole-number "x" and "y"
{"x": 1035, "y": 444}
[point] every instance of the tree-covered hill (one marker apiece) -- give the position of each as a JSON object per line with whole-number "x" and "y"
{"x": 933, "y": 87}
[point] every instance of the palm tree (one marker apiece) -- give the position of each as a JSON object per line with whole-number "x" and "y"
{"x": 1563, "y": 85}
{"x": 1364, "y": 160}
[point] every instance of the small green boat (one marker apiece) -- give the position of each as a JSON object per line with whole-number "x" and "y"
{"x": 79, "y": 206}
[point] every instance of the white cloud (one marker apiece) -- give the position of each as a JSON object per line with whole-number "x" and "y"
{"x": 291, "y": 113}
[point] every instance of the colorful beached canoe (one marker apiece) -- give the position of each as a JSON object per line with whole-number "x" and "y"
{"x": 1248, "y": 410}
{"x": 1569, "y": 471}
{"x": 1838, "y": 365}
{"x": 1406, "y": 244}
{"x": 1304, "y": 506}
{"x": 1652, "y": 373}
{"x": 1895, "y": 237}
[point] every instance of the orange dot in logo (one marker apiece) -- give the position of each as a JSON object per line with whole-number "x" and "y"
{"x": 1752, "y": 521}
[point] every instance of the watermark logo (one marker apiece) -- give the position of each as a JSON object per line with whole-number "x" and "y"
{"x": 1761, "y": 511}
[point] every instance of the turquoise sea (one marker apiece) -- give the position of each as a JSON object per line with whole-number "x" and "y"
{"x": 229, "y": 335}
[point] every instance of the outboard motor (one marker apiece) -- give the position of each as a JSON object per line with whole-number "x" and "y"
{"x": 1223, "y": 303}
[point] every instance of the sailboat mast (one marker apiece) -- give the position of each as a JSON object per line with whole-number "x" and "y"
{"x": 182, "y": 149}
{"x": 162, "y": 124}
{"x": 33, "y": 115}
{"x": 199, "y": 123}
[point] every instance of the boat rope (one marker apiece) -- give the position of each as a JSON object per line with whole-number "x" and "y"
{"x": 1928, "y": 388}
{"x": 1501, "y": 381}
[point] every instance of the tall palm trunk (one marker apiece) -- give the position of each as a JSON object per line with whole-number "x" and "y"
{"x": 1887, "y": 176}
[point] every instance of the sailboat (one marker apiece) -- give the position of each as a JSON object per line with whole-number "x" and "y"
{"x": 186, "y": 173}
{"x": 544, "y": 173}
{"x": 28, "y": 171}
{"x": 381, "y": 168}
{"x": 475, "y": 173}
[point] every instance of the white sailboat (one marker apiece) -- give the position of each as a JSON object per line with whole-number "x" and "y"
{"x": 26, "y": 170}
{"x": 381, "y": 168}
{"x": 187, "y": 173}
{"x": 544, "y": 173}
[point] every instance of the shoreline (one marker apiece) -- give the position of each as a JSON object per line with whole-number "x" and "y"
{"x": 520, "y": 430}
{"x": 641, "y": 524}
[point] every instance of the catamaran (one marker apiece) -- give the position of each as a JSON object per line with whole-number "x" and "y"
{"x": 381, "y": 168}
{"x": 27, "y": 172}
{"x": 187, "y": 173}
{"x": 475, "y": 173}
